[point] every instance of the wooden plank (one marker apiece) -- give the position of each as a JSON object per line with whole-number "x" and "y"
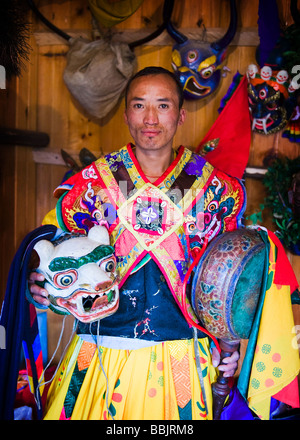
{"x": 48, "y": 177}
{"x": 54, "y": 157}
{"x": 7, "y": 186}
{"x": 25, "y": 168}
{"x": 7, "y": 214}
{"x": 244, "y": 37}
{"x": 49, "y": 157}
{"x": 53, "y": 96}
{"x": 65, "y": 13}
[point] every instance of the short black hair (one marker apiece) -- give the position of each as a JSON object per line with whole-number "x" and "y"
{"x": 156, "y": 70}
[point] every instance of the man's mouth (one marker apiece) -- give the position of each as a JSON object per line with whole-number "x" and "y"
{"x": 89, "y": 306}
{"x": 150, "y": 133}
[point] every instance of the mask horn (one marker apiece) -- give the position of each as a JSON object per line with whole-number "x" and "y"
{"x": 223, "y": 42}
{"x": 174, "y": 33}
{"x": 167, "y": 12}
{"x": 47, "y": 23}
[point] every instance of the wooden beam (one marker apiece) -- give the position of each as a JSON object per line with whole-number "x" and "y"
{"x": 243, "y": 37}
{"x": 54, "y": 157}
{"x": 28, "y": 138}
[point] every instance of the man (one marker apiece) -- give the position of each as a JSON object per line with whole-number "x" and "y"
{"x": 158, "y": 205}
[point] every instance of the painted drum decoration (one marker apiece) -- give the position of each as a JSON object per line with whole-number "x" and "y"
{"x": 227, "y": 283}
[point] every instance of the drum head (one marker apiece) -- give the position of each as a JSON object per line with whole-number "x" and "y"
{"x": 227, "y": 283}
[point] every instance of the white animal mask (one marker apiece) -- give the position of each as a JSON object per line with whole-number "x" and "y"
{"x": 80, "y": 274}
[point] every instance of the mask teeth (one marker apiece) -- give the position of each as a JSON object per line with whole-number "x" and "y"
{"x": 80, "y": 302}
{"x": 80, "y": 306}
{"x": 265, "y": 125}
{"x": 261, "y": 121}
{"x": 88, "y": 302}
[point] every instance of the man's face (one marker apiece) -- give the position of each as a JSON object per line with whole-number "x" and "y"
{"x": 153, "y": 113}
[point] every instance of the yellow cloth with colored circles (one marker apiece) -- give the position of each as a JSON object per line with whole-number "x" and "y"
{"x": 276, "y": 360}
{"x": 150, "y": 383}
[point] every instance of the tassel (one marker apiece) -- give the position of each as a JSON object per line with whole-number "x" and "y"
{"x": 14, "y": 36}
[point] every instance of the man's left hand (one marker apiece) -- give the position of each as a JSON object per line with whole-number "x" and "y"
{"x": 229, "y": 364}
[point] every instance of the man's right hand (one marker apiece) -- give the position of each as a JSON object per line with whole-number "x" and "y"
{"x": 39, "y": 294}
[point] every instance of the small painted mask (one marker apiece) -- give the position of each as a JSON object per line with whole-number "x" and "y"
{"x": 198, "y": 68}
{"x": 197, "y": 64}
{"x": 271, "y": 96}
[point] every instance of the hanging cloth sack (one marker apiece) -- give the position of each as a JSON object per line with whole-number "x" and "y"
{"x": 96, "y": 74}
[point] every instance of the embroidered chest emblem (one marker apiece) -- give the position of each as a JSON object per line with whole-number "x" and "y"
{"x": 150, "y": 216}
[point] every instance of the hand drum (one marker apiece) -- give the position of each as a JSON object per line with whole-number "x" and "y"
{"x": 225, "y": 292}
{"x": 227, "y": 283}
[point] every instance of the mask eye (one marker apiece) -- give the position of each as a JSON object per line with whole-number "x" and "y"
{"x": 108, "y": 265}
{"x": 262, "y": 94}
{"x": 191, "y": 227}
{"x": 251, "y": 102}
{"x": 63, "y": 280}
{"x": 207, "y": 73}
{"x": 271, "y": 106}
{"x": 192, "y": 56}
{"x": 213, "y": 206}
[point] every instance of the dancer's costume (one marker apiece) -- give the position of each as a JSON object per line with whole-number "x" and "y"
{"x": 145, "y": 361}
{"x": 146, "y": 365}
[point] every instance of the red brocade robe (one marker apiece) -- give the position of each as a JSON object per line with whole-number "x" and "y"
{"x": 166, "y": 221}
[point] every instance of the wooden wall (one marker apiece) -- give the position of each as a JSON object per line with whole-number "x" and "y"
{"x": 40, "y": 101}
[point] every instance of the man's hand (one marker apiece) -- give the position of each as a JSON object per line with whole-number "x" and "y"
{"x": 229, "y": 365}
{"x": 39, "y": 294}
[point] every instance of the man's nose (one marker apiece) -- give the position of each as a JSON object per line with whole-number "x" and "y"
{"x": 151, "y": 117}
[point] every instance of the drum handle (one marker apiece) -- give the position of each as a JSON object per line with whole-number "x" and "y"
{"x": 183, "y": 296}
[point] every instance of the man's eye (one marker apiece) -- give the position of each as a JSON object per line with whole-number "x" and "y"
{"x": 164, "y": 106}
{"x": 138, "y": 106}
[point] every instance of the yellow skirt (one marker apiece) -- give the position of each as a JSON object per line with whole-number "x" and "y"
{"x": 159, "y": 382}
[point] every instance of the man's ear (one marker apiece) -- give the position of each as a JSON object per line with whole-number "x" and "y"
{"x": 182, "y": 116}
{"x": 125, "y": 117}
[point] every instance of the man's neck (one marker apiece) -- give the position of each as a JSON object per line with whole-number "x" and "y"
{"x": 154, "y": 163}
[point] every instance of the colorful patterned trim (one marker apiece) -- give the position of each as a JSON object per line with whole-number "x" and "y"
{"x": 59, "y": 214}
{"x": 172, "y": 171}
